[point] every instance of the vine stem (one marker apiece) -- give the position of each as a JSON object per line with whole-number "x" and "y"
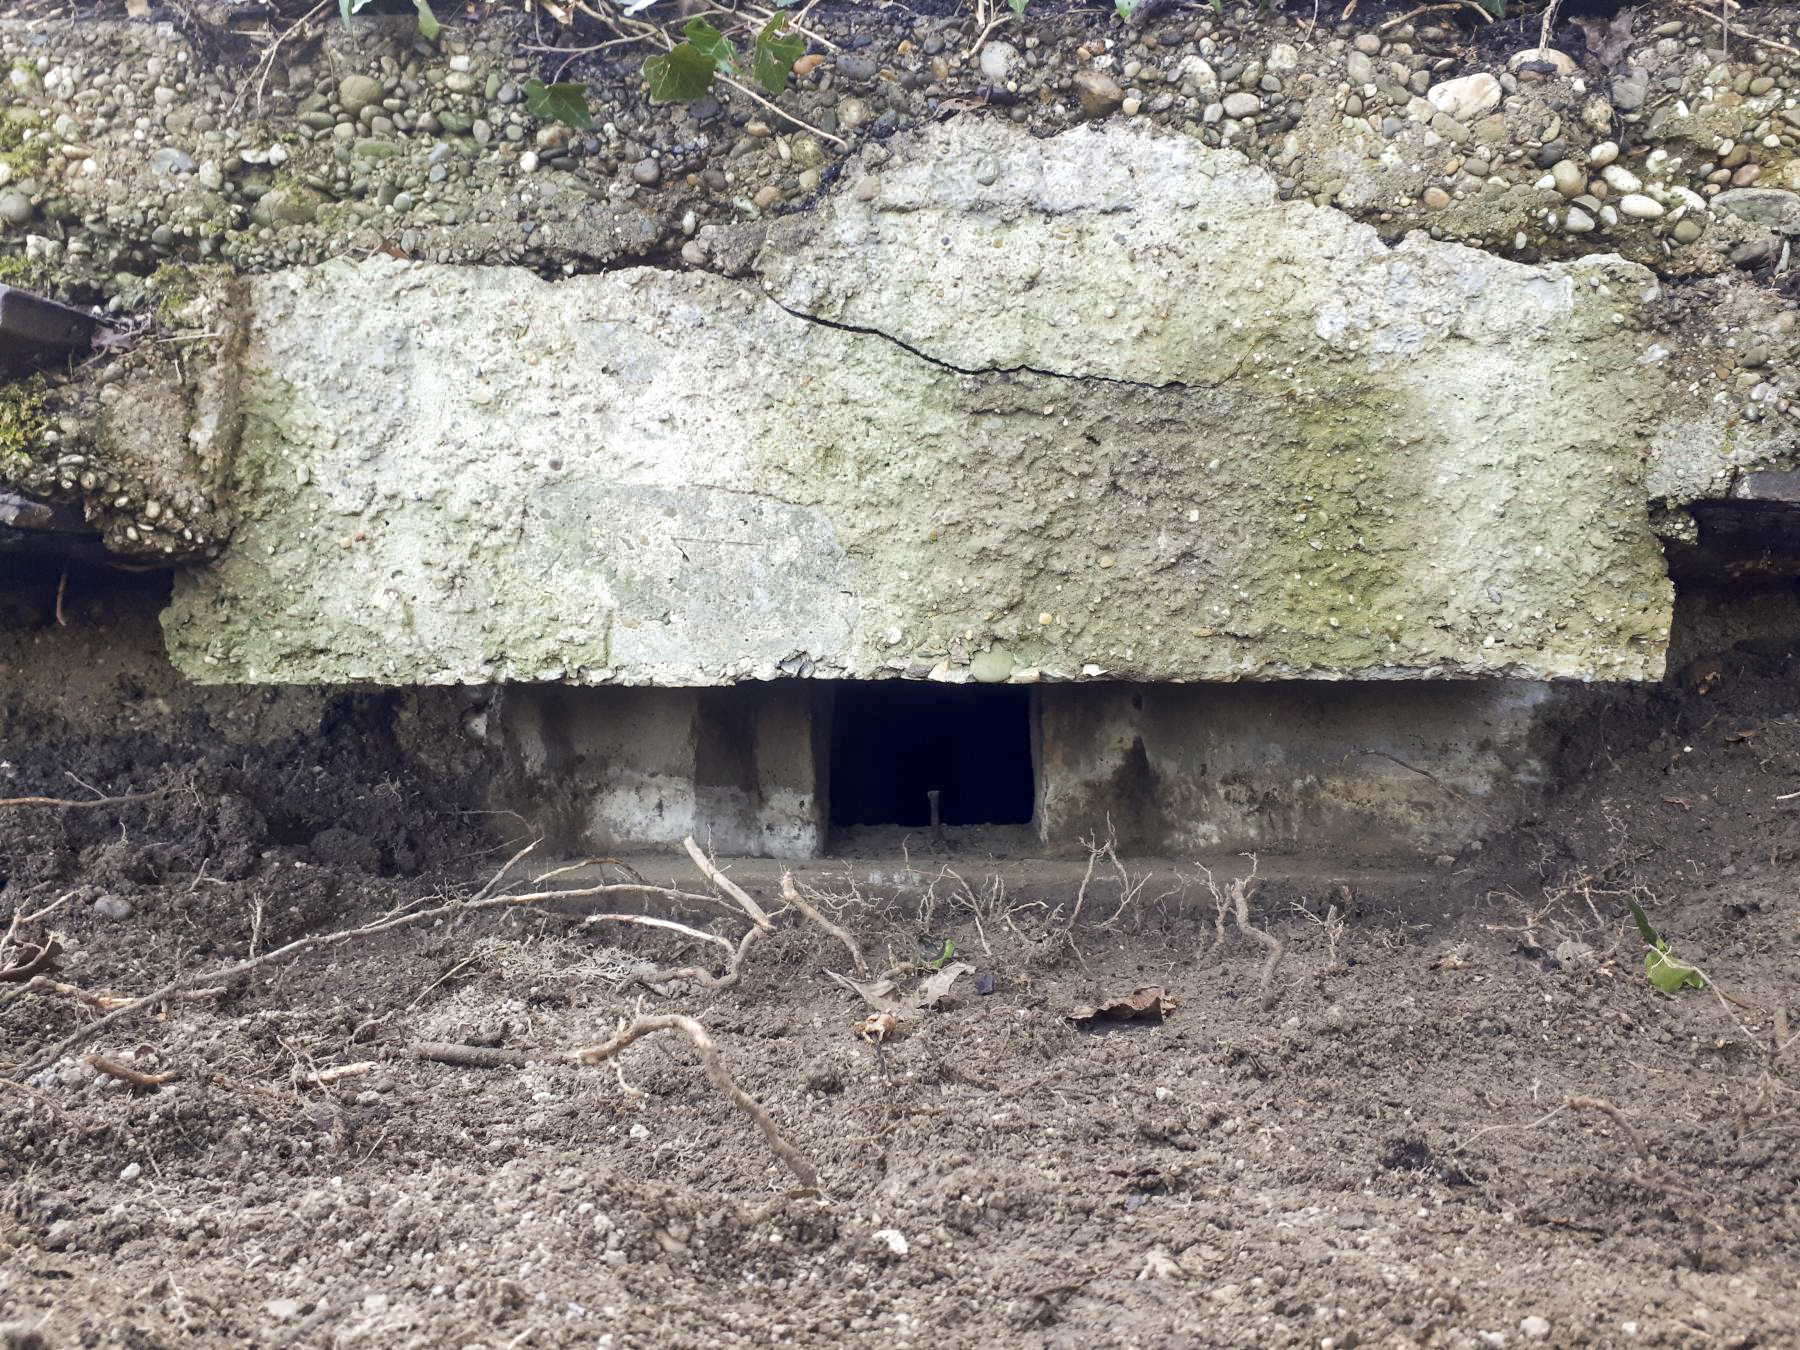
{"x": 651, "y": 31}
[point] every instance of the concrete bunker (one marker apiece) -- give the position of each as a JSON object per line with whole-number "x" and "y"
{"x": 813, "y": 768}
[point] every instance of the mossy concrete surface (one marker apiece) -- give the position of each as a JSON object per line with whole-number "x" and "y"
{"x": 1093, "y": 407}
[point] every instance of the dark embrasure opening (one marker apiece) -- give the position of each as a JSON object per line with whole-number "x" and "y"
{"x": 894, "y": 743}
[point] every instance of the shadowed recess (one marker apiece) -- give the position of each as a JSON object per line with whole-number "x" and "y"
{"x": 893, "y": 743}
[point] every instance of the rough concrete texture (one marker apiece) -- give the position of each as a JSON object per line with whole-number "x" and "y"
{"x": 643, "y": 768}
{"x": 1172, "y": 769}
{"x": 145, "y": 439}
{"x": 1004, "y": 408}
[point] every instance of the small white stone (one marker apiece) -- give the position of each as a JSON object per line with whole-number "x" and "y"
{"x": 1467, "y": 98}
{"x": 1603, "y": 154}
{"x": 131, "y": 1172}
{"x": 1639, "y": 207}
{"x": 1579, "y": 221}
{"x": 1535, "y": 1328}
{"x": 1621, "y": 179}
{"x": 895, "y": 1239}
{"x": 997, "y": 62}
{"x": 528, "y": 162}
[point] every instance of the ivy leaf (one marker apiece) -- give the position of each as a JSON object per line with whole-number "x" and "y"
{"x": 775, "y": 55}
{"x": 429, "y": 27}
{"x": 680, "y": 77}
{"x": 1668, "y": 974}
{"x": 711, "y": 44}
{"x": 560, "y": 102}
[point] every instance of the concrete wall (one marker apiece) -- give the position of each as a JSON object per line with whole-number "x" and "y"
{"x": 1358, "y": 769}
{"x": 624, "y": 769}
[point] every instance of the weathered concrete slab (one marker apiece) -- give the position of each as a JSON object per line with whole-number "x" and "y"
{"x": 1003, "y": 408}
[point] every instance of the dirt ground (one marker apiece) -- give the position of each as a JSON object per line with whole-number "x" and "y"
{"x": 1384, "y": 1157}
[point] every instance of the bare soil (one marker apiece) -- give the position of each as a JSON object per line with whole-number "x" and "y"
{"x": 1384, "y": 1157}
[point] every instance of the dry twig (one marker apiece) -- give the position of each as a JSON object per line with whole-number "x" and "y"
{"x": 727, "y": 885}
{"x": 137, "y": 1078}
{"x": 1431, "y": 9}
{"x": 472, "y": 1056}
{"x": 792, "y": 895}
{"x": 482, "y": 900}
{"x": 1233, "y": 900}
{"x": 85, "y": 801}
{"x": 645, "y": 1024}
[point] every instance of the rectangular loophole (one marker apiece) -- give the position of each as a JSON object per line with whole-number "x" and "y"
{"x": 893, "y": 743}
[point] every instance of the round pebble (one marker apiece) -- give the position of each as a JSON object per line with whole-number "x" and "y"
{"x": 1566, "y": 174}
{"x": 15, "y": 208}
{"x": 997, "y": 62}
{"x": 112, "y": 907}
{"x": 1436, "y": 199}
{"x": 1639, "y": 207}
{"x": 357, "y": 92}
{"x": 1622, "y": 179}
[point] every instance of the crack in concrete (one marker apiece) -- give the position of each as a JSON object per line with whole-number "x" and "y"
{"x": 942, "y": 364}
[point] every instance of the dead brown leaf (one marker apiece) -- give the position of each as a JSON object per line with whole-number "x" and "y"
{"x": 1608, "y": 41}
{"x": 932, "y": 990}
{"x": 879, "y": 1027}
{"x": 878, "y": 994}
{"x": 1150, "y": 1003}
{"x": 893, "y": 1011}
